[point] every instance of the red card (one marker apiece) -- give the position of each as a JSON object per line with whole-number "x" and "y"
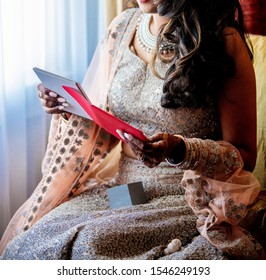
{"x": 104, "y": 119}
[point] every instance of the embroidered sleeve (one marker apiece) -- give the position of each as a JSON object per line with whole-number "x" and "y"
{"x": 211, "y": 158}
{"x": 218, "y": 190}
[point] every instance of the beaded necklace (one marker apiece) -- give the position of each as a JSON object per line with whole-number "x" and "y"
{"x": 147, "y": 41}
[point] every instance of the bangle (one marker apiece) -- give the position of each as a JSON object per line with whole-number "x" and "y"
{"x": 172, "y": 162}
{"x": 181, "y": 154}
{"x": 193, "y": 154}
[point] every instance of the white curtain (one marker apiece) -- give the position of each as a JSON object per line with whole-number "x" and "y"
{"x": 56, "y": 35}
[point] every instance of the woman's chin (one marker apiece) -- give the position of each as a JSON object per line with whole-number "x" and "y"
{"x": 147, "y": 6}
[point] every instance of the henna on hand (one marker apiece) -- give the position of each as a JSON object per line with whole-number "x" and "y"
{"x": 51, "y": 102}
{"x": 158, "y": 148}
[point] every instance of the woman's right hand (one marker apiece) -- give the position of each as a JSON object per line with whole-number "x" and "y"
{"x": 52, "y": 102}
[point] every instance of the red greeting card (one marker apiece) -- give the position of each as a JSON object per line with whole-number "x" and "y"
{"x": 80, "y": 104}
{"x": 104, "y": 119}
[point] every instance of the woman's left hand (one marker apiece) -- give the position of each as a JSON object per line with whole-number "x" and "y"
{"x": 157, "y": 148}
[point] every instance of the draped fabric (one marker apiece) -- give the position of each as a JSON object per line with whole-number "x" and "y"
{"x": 217, "y": 189}
{"x": 59, "y": 36}
{"x": 74, "y": 184}
{"x": 259, "y": 49}
{"x": 67, "y": 164}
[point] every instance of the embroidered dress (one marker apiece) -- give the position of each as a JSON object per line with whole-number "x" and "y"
{"x": 69, "y": 216}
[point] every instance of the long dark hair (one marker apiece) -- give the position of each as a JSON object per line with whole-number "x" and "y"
{"x": 201, "y": 65}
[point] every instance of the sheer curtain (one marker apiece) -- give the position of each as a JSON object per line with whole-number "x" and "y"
{"x": 59, "y": 36}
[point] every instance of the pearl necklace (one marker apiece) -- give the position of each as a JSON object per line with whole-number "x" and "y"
{"x": 148, "y": 41}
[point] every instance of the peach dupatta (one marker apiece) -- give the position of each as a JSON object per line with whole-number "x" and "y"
{"x": 80, "y": 155}
{"x": 218, "y": 190}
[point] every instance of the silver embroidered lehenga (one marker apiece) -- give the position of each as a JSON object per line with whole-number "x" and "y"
{"x": 68, "y": 215}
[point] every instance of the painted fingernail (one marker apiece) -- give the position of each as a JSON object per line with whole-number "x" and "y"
{"x": 65, "y": 104}
{"x": 120, "y": 133}
{"x": 128, "y": 136}
{"x": 61, "y": 107}
{"x": 61, "y": 99}
{"x": 52, "y": 94}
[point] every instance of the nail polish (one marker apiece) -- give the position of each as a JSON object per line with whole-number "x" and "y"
{"x": 52, "y": 94}
{"x": 61, "y": 99}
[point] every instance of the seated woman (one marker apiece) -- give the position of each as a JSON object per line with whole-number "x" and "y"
{"x": 181, "y": 72}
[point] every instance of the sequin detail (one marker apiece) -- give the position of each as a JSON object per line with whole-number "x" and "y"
{"x": 135, "y": 96}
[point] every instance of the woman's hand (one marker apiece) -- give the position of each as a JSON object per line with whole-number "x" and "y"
{"x": 157, "y": 148}
{"x": 52, "y": 103}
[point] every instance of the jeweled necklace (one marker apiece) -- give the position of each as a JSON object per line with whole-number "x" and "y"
{"x": 148, "y": 41}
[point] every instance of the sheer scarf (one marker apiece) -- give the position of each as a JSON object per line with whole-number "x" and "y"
{"x": 79, "y": 155}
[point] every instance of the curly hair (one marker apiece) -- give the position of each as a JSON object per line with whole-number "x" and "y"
{"x": 201, "y": 65}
